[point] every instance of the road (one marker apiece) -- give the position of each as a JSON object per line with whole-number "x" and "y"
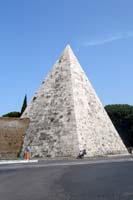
{"x": 62, "y": 180}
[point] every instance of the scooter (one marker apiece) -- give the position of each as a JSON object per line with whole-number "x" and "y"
{"x": 81, "y": 154}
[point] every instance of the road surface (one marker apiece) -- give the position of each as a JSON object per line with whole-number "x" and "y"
{"x": 68, "y": 180}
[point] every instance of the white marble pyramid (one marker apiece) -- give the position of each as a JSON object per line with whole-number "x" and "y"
{"x": 67, "y": 116}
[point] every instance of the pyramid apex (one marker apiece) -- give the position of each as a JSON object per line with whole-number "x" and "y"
{"x": 68, "y": 49}
{"x": 68, "y": 46}
{"x": 69, "y": 54}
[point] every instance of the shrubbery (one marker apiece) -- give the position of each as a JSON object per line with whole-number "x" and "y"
{"x": 12, "y": 114}
{"x": 122, "y": 118}
{"x": 15, "y": 113}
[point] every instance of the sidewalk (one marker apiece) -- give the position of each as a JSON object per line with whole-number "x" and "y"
{"x": 62, "y": 159}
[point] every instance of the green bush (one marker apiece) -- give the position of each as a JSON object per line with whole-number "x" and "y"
{"x": 122, "y": 118}
{"x": 12, "y": 114}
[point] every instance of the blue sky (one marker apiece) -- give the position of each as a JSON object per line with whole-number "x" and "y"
{"x": 33, "y": 33}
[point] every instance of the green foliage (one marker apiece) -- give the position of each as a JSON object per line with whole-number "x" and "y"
{"x": 18, "y": 114}
{"x": 24, "y": 104}
{"x": 122, "y": 118}
{"x": 12, "y": 114}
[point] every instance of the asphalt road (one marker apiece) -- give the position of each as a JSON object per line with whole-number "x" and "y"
{"x": 67, "y": 181}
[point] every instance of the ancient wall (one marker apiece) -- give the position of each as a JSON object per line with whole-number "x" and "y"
{"x": 12, "y": 131}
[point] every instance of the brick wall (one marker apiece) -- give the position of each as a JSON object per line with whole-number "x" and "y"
{"x": 12, "y": 131}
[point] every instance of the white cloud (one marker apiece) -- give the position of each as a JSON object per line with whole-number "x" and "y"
{"x": 109, "y": 39}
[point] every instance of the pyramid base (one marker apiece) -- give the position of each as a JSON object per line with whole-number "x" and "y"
{"x": 73, "y": 156}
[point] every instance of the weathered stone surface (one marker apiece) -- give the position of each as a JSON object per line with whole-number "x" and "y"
{"x": 67, "y": 116}
{"x": 12, "y": 132}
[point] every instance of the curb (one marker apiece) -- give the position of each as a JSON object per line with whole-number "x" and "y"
{"x": 118, "y": 155}
{"x": 3, "y": 162}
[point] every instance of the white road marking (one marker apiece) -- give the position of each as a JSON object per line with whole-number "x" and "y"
{"x": 84, "y": 162}
{"x": 36, "y": 164}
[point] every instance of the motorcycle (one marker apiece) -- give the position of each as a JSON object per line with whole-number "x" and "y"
{"x": 81, "y": 154}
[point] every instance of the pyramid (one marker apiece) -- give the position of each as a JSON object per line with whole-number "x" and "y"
{"x": 66, "y": 115}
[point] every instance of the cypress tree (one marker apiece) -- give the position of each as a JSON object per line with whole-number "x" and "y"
{"x": 24, "y": 104}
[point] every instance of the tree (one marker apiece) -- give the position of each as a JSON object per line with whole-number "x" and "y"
{"x": 122, "y": 118}
{"x": 15, "y": 113}
{"x": 24, "y": 104}
{"x": 12, "y": 114}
